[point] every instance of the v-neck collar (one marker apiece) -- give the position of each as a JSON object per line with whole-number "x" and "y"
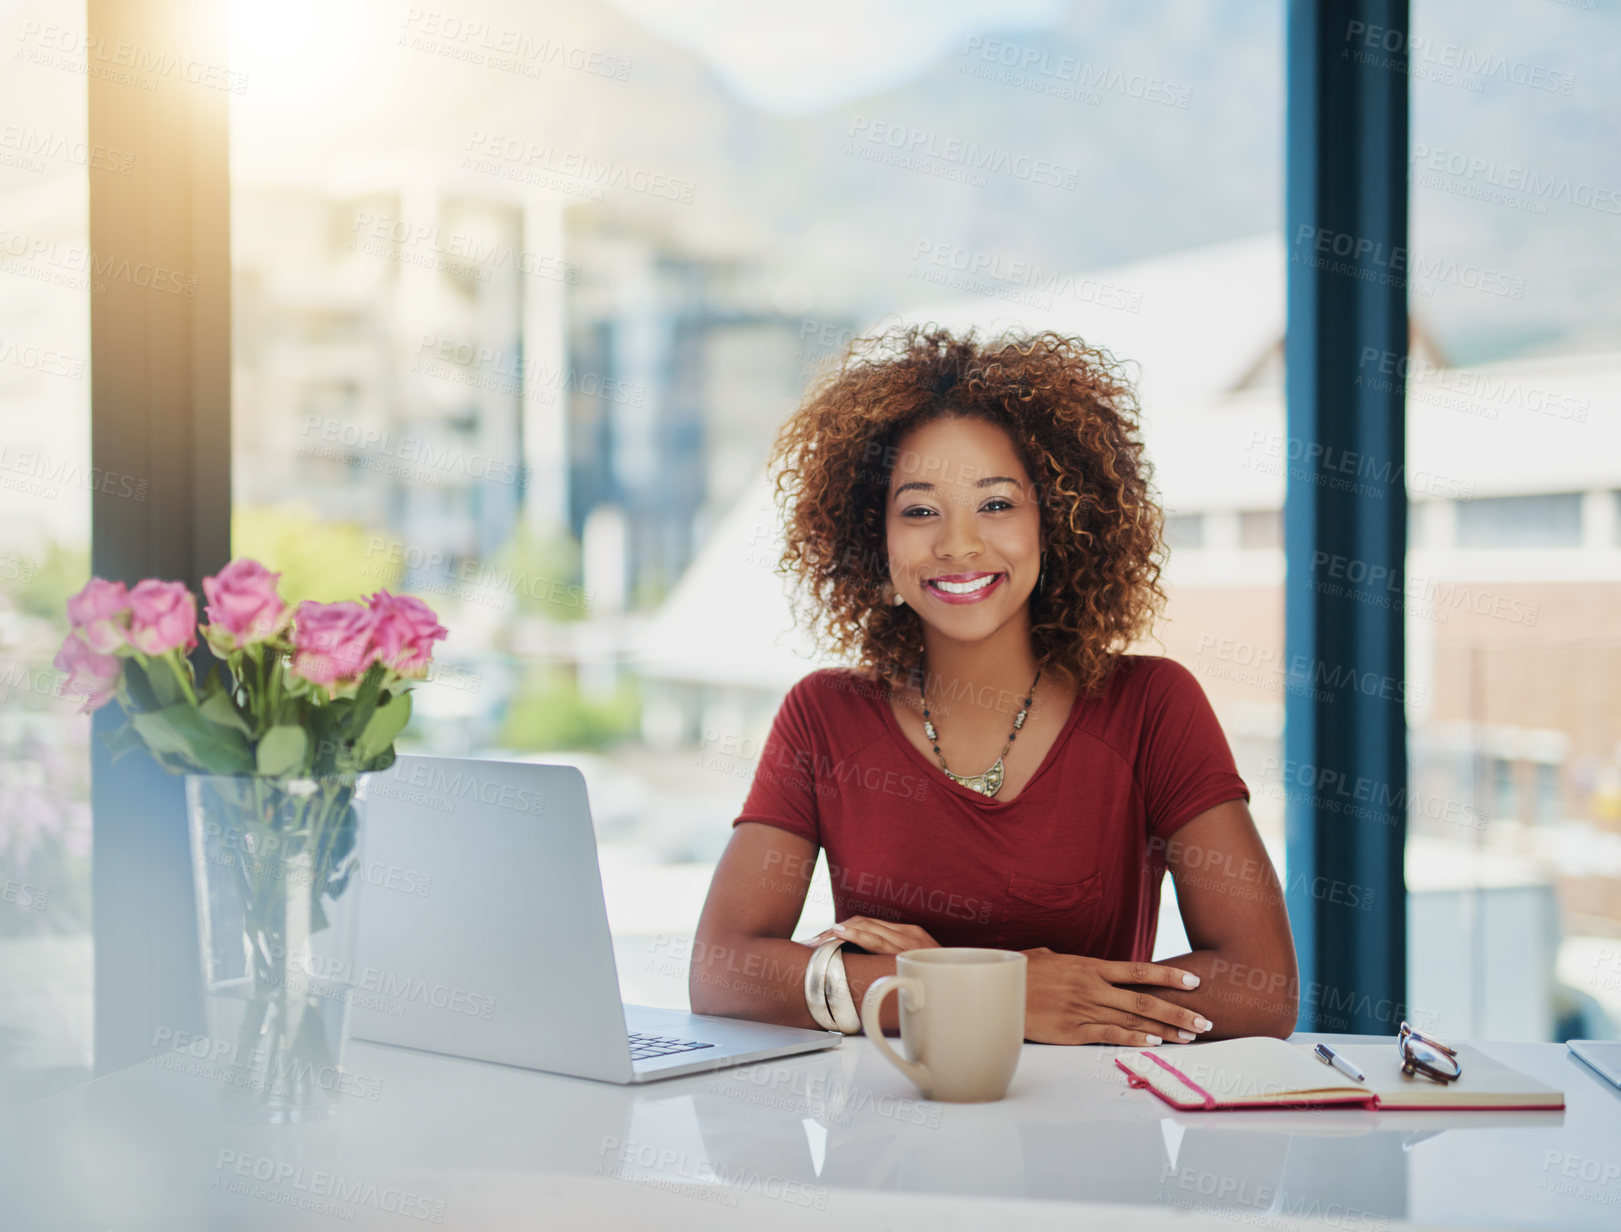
{"x": 892, "y": 724}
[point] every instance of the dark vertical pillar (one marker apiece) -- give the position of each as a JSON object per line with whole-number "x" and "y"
{"x": 160, "y": 338}
{"x": 1345, "y": 730}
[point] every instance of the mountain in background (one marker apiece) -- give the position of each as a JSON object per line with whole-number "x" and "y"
{"x": 837, "y": 228}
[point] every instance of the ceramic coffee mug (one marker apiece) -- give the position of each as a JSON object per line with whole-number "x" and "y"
{"x": 962, "y": 1020}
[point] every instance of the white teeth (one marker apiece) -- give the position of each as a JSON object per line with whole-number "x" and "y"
{"x": 965, "y": 588}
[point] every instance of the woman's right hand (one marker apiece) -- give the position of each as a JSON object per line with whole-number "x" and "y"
{"x": 1074, "y": 1000}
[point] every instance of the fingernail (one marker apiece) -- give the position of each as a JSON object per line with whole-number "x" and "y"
{"x": 837, "y": 928}
{"x": 1154, "y": 1039}
{"x": 1204, "y": 1024}
{"x": 1189, "y": 980}
{"x": 1187, "y": 1035}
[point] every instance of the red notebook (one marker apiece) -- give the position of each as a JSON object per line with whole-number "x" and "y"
{"x": 1262, "y": 1072}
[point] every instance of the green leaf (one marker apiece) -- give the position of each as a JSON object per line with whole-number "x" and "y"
{"x": 389, "y": 720}
{"x": 138, "y": 687}
{"x": 123, "y": 740}
{"x": 282, "y": 751}
{"x": 365, "y": 702}
{"x": 182, "y": 732}
{"x": 218, "y": 707}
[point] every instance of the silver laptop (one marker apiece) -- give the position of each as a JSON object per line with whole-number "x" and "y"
{"x": 483, "y": 933}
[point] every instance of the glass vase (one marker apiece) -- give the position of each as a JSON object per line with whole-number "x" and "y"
{"x": 275, "y": 865}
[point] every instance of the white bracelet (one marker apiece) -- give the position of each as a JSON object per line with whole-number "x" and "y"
{"x": 816, "y": 984}
{"x": 839, "y": 1001}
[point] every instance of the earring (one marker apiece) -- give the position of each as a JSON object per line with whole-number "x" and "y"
{"x": 898, "y": 599}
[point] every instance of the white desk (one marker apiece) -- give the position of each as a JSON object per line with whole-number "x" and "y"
{"x": 831, "y": 1140}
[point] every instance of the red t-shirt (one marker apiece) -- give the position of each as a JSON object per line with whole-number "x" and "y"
{"x": 1073, "y": 862}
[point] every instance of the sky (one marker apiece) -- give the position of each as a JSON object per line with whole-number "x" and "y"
{"x": 798, "y": 59}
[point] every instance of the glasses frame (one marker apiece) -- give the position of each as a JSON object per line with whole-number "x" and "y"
{"x": 1412, "y": 1066}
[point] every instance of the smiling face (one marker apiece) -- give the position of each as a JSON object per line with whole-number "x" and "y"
{"x": 963, "y": 527}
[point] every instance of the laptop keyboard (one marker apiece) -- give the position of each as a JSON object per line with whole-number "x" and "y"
{"x": 644, "y": 1046}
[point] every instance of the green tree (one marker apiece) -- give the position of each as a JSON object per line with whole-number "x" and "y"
{"x": 318, "y": 559}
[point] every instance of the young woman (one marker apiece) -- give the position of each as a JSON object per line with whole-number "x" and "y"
{"x": 973, "y": 526}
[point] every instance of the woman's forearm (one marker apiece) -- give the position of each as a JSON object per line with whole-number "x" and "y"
{"x": 1239, "y": 994}
{"x": 763, "y": 979}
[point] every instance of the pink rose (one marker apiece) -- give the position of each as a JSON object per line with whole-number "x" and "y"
{"x": 162, "y": 617}
{"x": 243, "y": 606}
{"x": 332, "y": 642}
{"x": 91, "y": 675}
{"x": 406, "y": 631}
{"x": 100, "y": 614}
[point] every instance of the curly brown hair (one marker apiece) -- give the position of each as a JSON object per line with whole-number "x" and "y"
{"x": 1072, "y": 417}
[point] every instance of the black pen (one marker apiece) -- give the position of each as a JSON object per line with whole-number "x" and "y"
{"x": 1328, "y": 1056}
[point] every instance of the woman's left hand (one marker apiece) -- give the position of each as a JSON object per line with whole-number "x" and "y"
{"x": 879, "y": 936}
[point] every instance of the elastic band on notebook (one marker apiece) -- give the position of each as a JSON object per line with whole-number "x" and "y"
{"x": 1206, "y": 1096}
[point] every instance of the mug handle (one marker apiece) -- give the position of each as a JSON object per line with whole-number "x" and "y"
{"x": 911, "y": 991}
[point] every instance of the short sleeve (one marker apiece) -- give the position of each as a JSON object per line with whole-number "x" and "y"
{"x": 1184, "y": 763}
{"x": 783, "y": 792}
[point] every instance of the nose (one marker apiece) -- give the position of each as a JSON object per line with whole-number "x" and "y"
{"x": 959, "y": 535}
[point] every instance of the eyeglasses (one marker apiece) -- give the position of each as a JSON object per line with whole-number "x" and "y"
{"x": 1420, "y": 1054}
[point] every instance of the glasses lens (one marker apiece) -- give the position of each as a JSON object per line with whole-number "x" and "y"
{"x": 1424, "y": 1054}
{"x": 1432, "y": 1061}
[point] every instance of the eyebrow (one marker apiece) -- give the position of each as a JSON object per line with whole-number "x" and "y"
{"x": 983, "y": 483}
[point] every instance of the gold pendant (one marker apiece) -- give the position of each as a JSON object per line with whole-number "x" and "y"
{"x": 987, "y": 784}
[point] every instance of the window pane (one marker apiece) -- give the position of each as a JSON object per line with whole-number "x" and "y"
{"x": 1184, "y": 530}
{"x": 1553, "y": 521}
{"x": 1514, "y": 855}
{"x": 45, "y": 486}
{"x": 515, "y": 329}
{"x": 1261, "y": 528}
